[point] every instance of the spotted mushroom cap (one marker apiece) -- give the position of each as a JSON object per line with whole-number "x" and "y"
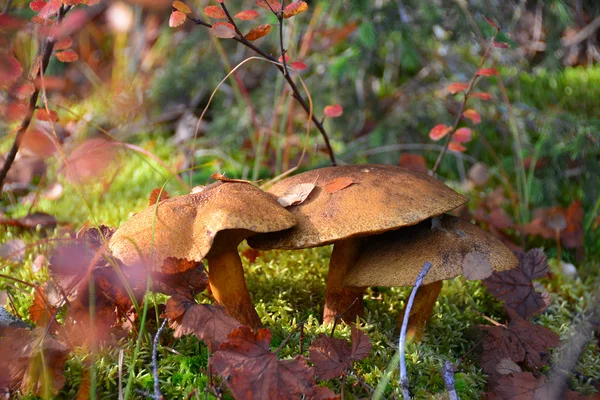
{"x": 452, "y": 245}
{"x": 380, "y": 198}
{"x": 185, "y": 227}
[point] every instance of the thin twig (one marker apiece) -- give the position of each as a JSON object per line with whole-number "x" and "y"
{"x": 362, "y": 382}
{"x": 296, "y": 92}
{"x": 339, "y": 317}
{"x": 47, "y": 47}
{"x": 464, "y": 103}
{"x": 402, "y": 339}
{"x": 157, "y": 394}
{"x": 287, "y": 339}
{"x": 448, "y": 375}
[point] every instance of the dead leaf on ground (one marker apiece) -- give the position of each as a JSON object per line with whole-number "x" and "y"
{"x": 515, "y": 286}
{"x": 31, "y": 221}
{"x": 337, "y": 184}
{"x": 251, "y": 254}
{"x": 180, "y": 277}
{"x": 253, "y": 371}
{"x": 520, "y": 341}
{"x": 209, "y": 323}
{"x": 41, "y": 312}
{"x": 526, "y": 386}
{"x": 13, "y": 250}
{"x": 296, "y": 194}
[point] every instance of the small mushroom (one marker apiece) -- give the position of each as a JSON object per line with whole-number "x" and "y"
{"x": 452, "y": 245}
{"x": 380, "y": 198}
{"x": 209, "y": 224}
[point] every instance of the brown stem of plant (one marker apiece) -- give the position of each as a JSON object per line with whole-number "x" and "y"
{"x": 464, "y": 104}
{"x": 283, "y": 69}
{"x": 47, "y": 47}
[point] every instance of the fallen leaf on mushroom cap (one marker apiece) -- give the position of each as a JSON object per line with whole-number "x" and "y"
{"x": 158, "y": 195}
{"x": 516, "y": 288}
{"x": 476, "y": 266}
{"x": 296, "y": 194}
{"x": 520, "y": 341}
{"x": 337, "y": 184}
{"x": 209, "y": 323}
{"x": 31, "y": 221}
{"x": 253, "y": 371}
{"x": 13, "y": 250}
{"x": 223, "y": 178}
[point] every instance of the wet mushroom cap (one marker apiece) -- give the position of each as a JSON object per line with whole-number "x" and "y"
{"x": 185, "y": 226}
{"x": 380, "y": 198}
{"x": 456, "y": 247}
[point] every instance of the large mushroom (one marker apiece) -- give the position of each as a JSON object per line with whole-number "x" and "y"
{"x": 452, "y": 245}
{"x": 371, "y": 199}
{"x": 209, "y": 224}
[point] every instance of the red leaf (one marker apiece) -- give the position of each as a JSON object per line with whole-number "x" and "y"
{"x": 456, "y": 147}
{"x": 253, "y": 371}
{"x": 457, "y": 87}
{"x": 333, "y": 111}
{"x": 501, "y": 45}
{"x": 331, "y": 356}
{"x": 157, "y": 195}
{"x": 181, "y": 6}
{"x": 287, "y": 59}
{"x": 42, "y": 115}
{"x": 275, "y": 4}
{"x": 487, "y": 72}
{"x": 74, "y": 22}
{"x": 462, "y": 135}
{"x": 15, "y": 111}
{"x": 337, "y": 184}
{"x": 258, "y": 32}
{"x": 361, "y": 344}
{"x": 37, "y": 5}
{"x": 25, "y": 90}
{"x": 299, "y": 65}
{"x": 38, "y": 143}
{"x": 439, "y": 131}
{"x": 473, "y": 115}
{"x": 50, "y": 8}
{"x": 210, "y": 324}
{"x": 10, "y": 69}
{"x": 247, "y": 15}
{"x": 67, "y": 56}
{"x": 223, "y": 30}
{"x": 516, "y": 288}
{"x": 572, "y": 235}
{"x": 489, "y": 21}
{"x": 294, "y": 8}
{"x": 63, "y": 44}
{"x": 177, "y": 18}
{"x": 415, "y": 162}
{"x": 215, "y": 12}
{"x": 481, "y": 95}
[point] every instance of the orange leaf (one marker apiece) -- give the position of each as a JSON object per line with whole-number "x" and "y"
{"x": 457, "y": 87}
{"x": 67, "y": 56}
{"x": 42, "y": 115}
{"x": 333, "y": 111}
{"x": 25, "y": 91}
{"x": 456, "y": 147}
{"x": 215, "y": 12}
{"x": 287, "y": 58}
{"x": 472, "y": 115}
{"x": 247, "y": 15}
{"x": 177, "y": 18}
{"x": 501, "y": 45}
{"x": 275, "y": 4}
{"x": 10, "y": 69}
{"x": 337, "y": 184}
{"x": 294, "y": 8}
{"x": 181, "y": 6}
{"x": 50, "y": 8}
{"x": 37, "y": 6}
{"x": 258, "y": 32}
{"x": 487, "y": 72}
{"x": 299, "y": 65}
{"x": 223, "y": 30}
{"x": 489, "y": 21}
{"x": 462, "y": 135}
{"x": 439, "y": 131}
{"x": 481, "y": 95}
{"x": 63, "y": 44}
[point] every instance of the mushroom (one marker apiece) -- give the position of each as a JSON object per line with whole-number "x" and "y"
{"x": 380, "y": 198}
{"x": 209, "y": 224}
{"x": 452, "y": 245}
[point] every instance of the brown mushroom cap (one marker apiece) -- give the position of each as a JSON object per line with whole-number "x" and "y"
{"x": 381, "y": 198}
{"x": 185, "y": 226}
{"x": 455, "y": 247}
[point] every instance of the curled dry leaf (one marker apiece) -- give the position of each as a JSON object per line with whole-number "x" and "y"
{"x": 215, "y": 12}
{"x": 258, "y": 32}
{"x": 294, "y": 8}
{"x": 181, "y": 6}
{"x": 337, "y": 184}
{"x": 516, "y": 288}
{"x": 247, "y": 15}
{"x": 177, "y": 18}
{"x": 158, "y": 195}
{"x": 223, "y": 30}
{"x": 333, "y": 111}
{"x": 520, "y": 341}
{"x": 209, "y": 323}
{"x": 223, "y": 178}
{"x": 439, "y": 131}
{"x": 457, "y": 87}
{"x": 296, "y": 194}
{"x": 253, "y": 371}
{"x": 473, "y": 115}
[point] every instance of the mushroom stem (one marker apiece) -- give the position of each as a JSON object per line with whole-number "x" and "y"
{"x": 421, "y": 311}
{"x": 227, "y": 283}
{"x": 340, "y": 299}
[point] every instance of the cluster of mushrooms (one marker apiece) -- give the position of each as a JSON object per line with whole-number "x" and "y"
{"x": 383, "y": 226}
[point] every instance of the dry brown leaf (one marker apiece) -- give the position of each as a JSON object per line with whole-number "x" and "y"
{"x": 296, "y": 194}
{"x": 476, "y": 266}
{"x": 158, "y": 195}
{"x": 258, "y": 32}
{"x": 337, "y": 184}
